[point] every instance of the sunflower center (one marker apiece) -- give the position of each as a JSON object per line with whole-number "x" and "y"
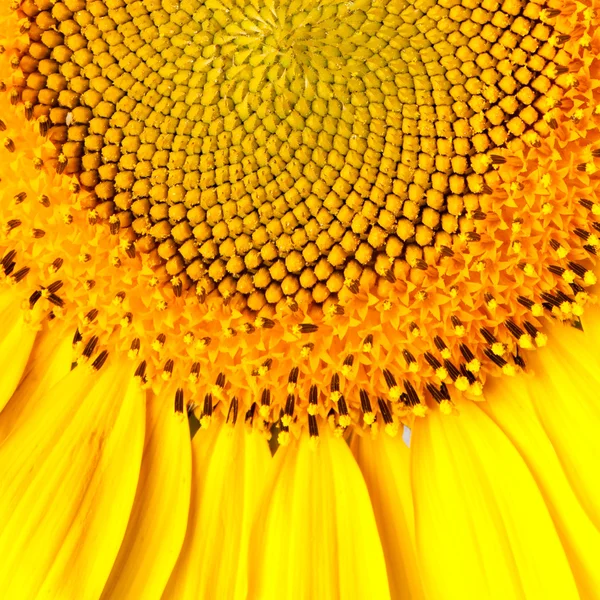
{"x": 286, "y": 149}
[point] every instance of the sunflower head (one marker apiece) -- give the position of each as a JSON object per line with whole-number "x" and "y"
{"x": 304, "y": 211}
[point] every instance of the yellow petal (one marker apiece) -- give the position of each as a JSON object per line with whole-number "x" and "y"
{"x": 565, "y": 391}
{"x": 68, "y": 482}
{"x": 16, "y": 342}
{"x": 230, "y": 465}
{"x": 482, "y": 527}
{"x": 158, "y": 521}
{"x": 511, "y": 408}
{"x": 385, "y": 465}
{"x": 50, "y": 361}
{"x": 316, "y": 535}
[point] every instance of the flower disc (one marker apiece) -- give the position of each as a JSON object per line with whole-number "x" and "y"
{"x": 369, "y": 205}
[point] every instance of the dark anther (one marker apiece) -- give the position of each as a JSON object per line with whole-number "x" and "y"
{"x": 349, "y": 360}
{"x": 335, "y": 383}
{"x": 61, "y": 164}
{"x": 439, "y": 343}
{"x": 250, "y": 413}
{"x": 452, "y": 370}
{"x": 590, "y": 249}
{"x": 526, "y": 302}
{"x": 56, "y": 300}
{"x": 421, "y": 265}
{"x": 518, "y": 360}
{"x": 368, "y": 340}
{"x": 514, "y": 329}
{"x": 168, "y": 368}
{"x": 353, "y": 287}
{"x": 9, "y": 269}
{"x": 576, "y": 288}
{"x": 389, "y": 276}
{"x": 8, "y": 258}
{"x": 408, "y": 357}
{"x": 313, "y": 428}
{"x": 208, "y": 405}
{"x": 43, "y": 125}
{"x": 498, "y": 360}
{"x": 55, "y": 286}
{"x": 530, "y": 329}
{"x": 479, "y": 215}
{"x": 2, "y": 125}
{"x": 265, "y": 398}
{"x": 497, "y": 159}
{"x": 130, "y": 250}
{"x": 342, "y": 406}
{"x": 220, "y": 380}
{"x": 13, "y": 224}
{"x": 389, "y": 378}
{"x": 34, "y": 298}
{"x": 293, "y": 376}
{"x": 289, "y": 404}
{"x": 195, "y": 370}
{"x": 412, "y": 398}
{"x": 556, "y": 270}
{"x": 432, "y": 360}
{"x": 562, "y": 297}
{"x": 57, "y": 264}
{"x": 177, "y": 288}
{"x": 466, "y": 352}
{"x": 308, "y": 328}
{"x": 466, "y": 373}
{"x": 554, "y": 245}
{"x": 179, "y": 401}
{"x": 20, "y": 274}
{"x": 91, "y": 316}
{"x": 100, "y": 360}
{"x": 20, "y": 197}
{"x": 587, "y": 203}
{"x": 313, "y": 395}
{"x": 141, "y": 373}
{"x": 269, "y": 324}
{"x": 365, "y": 402}
{"x": 77, "y": 337}
{"x": 456, "y": 322}
{"x": 446, "y": 251}
{"x": 233, "y": 411}
{"x": 435, "y": 392}
{"x": 473, "y": 236}
{"x": 386, "y": 413}
{"x": 578, "y": 269}
{"x": 135, "y": 344}
{"x": 488, "y": 336}
{"x": 550, "y": 299}
{"x": 90, "y": 346}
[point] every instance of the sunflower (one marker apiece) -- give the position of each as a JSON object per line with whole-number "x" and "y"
{"x": 297, "y": 299}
